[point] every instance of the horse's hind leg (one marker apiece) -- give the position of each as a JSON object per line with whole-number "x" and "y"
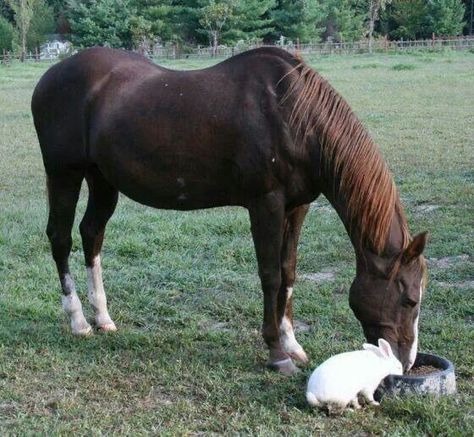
{"x": 100, "y": 207}
{"x": 63, "y": 193}
{"x": 293, "y": 224}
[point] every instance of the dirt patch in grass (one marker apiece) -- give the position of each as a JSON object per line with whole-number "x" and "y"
{"x": 459, "y": 284}
{"x": 300, "y": 326}
{"x": 319, "y": 277}
{"x": 426, "y": 208}
{"x": 447, "y": 262}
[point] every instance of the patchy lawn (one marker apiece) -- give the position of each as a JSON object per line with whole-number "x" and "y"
{"x": 188, "y": 357}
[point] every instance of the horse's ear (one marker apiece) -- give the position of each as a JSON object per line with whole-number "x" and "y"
{"x": 415, "y": 248}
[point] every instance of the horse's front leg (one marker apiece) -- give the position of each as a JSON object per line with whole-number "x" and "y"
{"x": 267, "y": 217}
{"x": 293, "y": 223}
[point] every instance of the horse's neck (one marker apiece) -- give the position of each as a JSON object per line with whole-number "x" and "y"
{"x": 395, "y": 236}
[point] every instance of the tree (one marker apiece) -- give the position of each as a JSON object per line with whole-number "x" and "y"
{"x": 23, "y": 10}
{"x": 161, "y": 19}
{"x": 7, "y": 34}
{"x": 250, "y": 20}
{"x": 42, "y": 24}
{"x": 6, "y": 11}
{"x": 298, "y": 19}
{"x": 469, "y": 16}
{"x": 375, "y": 6}
{"x": 213, "y": 17}
{"x": 100, "y": 22}
{"x": 408, "y": 20}
{"x": 344, "y": 19}
{"x": 446, "y": 17}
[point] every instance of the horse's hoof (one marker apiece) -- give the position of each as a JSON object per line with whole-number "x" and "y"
{"x": 83, "y": 331}
{"x": 107, "y": 327}
{"x": 285, "y": 367}
{"x": 300, "y": 356}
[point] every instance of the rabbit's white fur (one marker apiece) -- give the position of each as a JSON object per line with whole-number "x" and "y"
{"x": 338, "y": 381}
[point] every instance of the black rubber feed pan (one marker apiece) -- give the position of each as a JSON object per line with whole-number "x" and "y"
{"x": 438, "y": 382}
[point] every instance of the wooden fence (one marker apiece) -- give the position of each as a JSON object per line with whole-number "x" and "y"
{"x": 326, "y": 48}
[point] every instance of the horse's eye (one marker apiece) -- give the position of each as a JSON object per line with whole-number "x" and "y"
{"x": 407, "y": 301}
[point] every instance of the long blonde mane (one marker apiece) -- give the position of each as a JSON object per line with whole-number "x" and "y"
{"x": 349, "y": 155}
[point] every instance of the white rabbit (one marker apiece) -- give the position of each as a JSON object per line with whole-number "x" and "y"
{"x": 337, "y": 382}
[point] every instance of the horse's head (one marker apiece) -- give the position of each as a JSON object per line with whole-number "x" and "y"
{"x": 386, "y": 295}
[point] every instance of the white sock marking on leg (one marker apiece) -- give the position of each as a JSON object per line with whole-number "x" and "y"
{"x": 287, "y": 335}
{"x": 73, "y": 308}
{"x": 97, "y": 296}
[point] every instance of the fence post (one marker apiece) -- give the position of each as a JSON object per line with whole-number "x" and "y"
{"x": 433, "y": 39}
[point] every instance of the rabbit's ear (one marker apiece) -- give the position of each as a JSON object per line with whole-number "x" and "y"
{"x": 374, "y": 349}
{"x": 385, "y": 348}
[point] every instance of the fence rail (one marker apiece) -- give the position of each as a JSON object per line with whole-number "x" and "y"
{"x": 326, "y": 48}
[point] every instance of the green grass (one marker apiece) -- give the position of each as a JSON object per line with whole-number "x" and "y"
{"x": 188, "y": 357}
{"x": 400, "y": 67}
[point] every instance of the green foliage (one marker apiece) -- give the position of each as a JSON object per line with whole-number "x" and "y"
{"x": 250, "y": 20}
{"x": 133, "y": 23}
{"x": 230, "y": 21}
{"x": 345, "y": 19}
{"x": 6, "y": 11}
{"x": 420, "y": 18}
{"x": 298, "y": 19}
{"x": 446, "y": 17}
{"x": 58, "y": 6}
{"x": 162, "y": 20}
{"x": 100, "y": 22}
{"x": 34, "y": 18}
{"x": 407, "y": 20}
{"x": 42, "y": 24}
{"x": 24, "y": 11}
{"x": 213, "y": 16}
{"x": 7, "y": 34}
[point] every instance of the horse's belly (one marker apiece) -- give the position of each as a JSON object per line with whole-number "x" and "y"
{"x": 176, "y": 194}
{"x": 172, "y": 184}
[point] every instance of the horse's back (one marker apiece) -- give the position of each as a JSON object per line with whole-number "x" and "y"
{"x": 217, "y": 129}
{"x": 60, "y": 99}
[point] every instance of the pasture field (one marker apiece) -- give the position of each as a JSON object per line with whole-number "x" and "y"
{"x": 183, "y": 289}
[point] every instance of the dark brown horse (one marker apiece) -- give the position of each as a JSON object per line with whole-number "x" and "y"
{"x": 261, "y": 130}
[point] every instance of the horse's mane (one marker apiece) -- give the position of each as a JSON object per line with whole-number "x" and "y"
{"x": 349, "y": 154}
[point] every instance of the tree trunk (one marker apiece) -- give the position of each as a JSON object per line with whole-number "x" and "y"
{"x": 214, "y": 43}
{"x": 23, "y": 45}
{"x": 371, "y": 35}
{"x": 372, "y": 17}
